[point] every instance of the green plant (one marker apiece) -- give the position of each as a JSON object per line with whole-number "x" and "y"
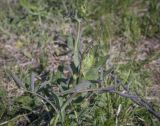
{"x": 82, "y": 91}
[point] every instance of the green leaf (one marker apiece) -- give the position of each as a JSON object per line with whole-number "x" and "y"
{"x": 70, "y": 42}
{"x": 25, "y": 101}
{"x": 88, "y": 61}
{"x": 91, "y": 74}
{"x": 18, "y": 82}
{"x": 76, "y": 58}
{"x": 11, "y": 123}
{"x": 27, "y": 54}
{"x": 24, "y": 3}
{"x": 82, "y": 85}
{"x": 27, "y": 5}
{"x": 56, "y": 100}
{"x": 32, "y": 8}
